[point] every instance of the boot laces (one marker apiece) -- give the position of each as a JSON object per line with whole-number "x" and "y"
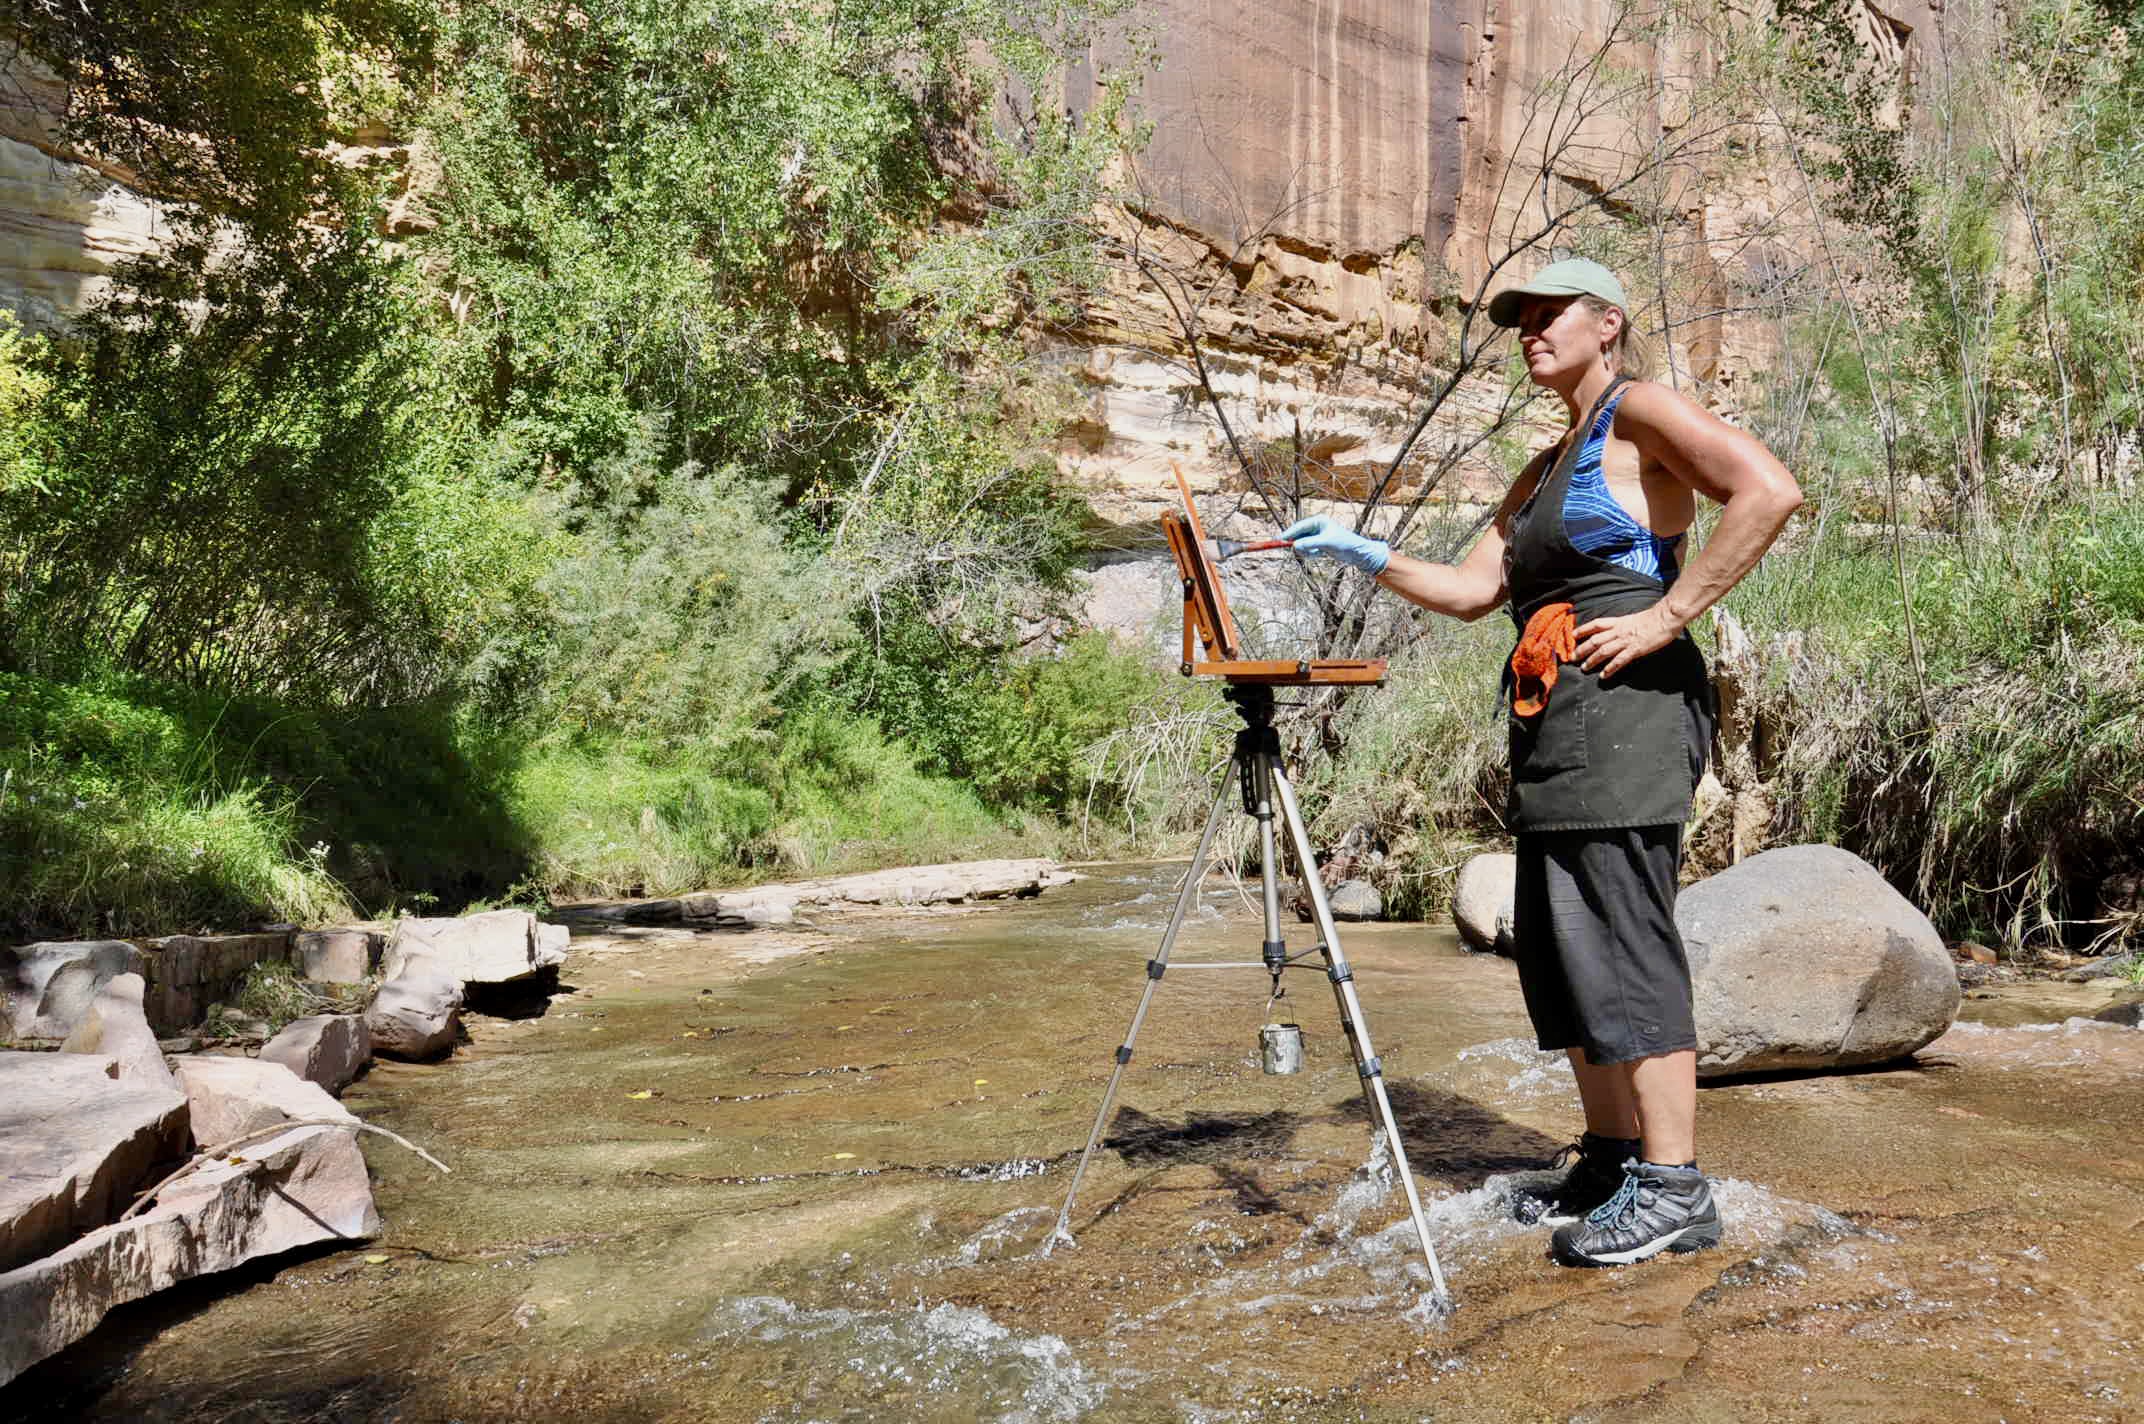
{"x": 1617, "y": 1207}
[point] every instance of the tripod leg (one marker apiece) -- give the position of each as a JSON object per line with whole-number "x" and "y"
{"x": 1373, "y": 1076}
{"x": 1154, "y": 968}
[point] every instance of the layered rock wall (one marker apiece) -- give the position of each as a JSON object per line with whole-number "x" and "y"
{"x": 1327, "y": 181}
{"x": 1339, "y": 176}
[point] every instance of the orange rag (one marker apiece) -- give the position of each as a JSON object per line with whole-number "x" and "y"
{"x": 1551, "y": 637}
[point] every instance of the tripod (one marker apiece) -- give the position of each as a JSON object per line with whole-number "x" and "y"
{"x": 1256, "y": 767}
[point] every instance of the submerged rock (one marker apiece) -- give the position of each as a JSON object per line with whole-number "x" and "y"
{"x": 1482, "y": 900}
{"x": 495, "y": 947}
{"x": 116, "y": 1028}
{"x": 328, "y": 1049}
{"x": 952, "y": 883}
{"x": 76, "y": 1142}
{"x": 415, "y": 1017}
{"x": 1805, "y": 957}
{"x": 2129, "y": 1013}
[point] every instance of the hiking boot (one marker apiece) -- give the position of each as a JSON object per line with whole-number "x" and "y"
{"x": 1656, "y": 1209}
{"x": 1593, "y": 1179}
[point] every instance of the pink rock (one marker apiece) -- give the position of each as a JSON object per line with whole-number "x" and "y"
{"x": 115, "y": 1028}
{"x": 494, "y": 947}
{"x": 76, "y": 1142}
{"x": 417, "y": 1016}
{"x": 300, "y": 1187}
{"x": 327, "y": 1049}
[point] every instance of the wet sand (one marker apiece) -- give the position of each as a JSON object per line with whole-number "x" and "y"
{"x": 802, "y": 1175}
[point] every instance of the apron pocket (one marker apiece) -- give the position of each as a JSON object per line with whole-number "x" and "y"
{"x": 1555, "y": 741}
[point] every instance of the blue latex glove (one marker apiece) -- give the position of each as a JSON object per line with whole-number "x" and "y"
{"x": 1319, "y": 534}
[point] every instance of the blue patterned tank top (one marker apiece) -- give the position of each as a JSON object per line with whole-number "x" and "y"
{"x": 1596, "y": 522}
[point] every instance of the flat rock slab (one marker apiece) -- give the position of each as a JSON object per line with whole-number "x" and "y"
{"x": 624, "y": 912}
{"x": 327, "y": 1049}
{"x": 114, "y": 1028}
{"x": 229, "y": 1098}
{"x": 49, "y": 986}
{"x": 495, "y": 947}
{"x": 76, "y": 1143}
{"x": 303, "y": 1186}
{"x": 1805, "y": 957}
{"x": 914, "y": 885}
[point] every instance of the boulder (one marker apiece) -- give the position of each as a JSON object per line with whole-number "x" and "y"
{"x": 49, "y": 986}
{"x": 189, "y": 973}
{"x": 1805, "y": 957}
{"x": 76, "y": 1142}
{"x": 1481, "y": 902}
{"x": 328, "y": 1049}
{"x": 333, "y": 956}
{"x": 1356, "y": 900}
{"x": 299, "y": 1187}
{"x": 115, "y": 1028}
{"x": 417, "y": 1016}
{"x": 495, "y": 947}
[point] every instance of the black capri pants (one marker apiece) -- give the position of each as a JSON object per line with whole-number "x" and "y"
{"x": 1600, "y": 960}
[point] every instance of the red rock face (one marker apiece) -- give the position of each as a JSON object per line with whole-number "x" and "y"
{"x": 1342, "y": 125}
{"x": 1353, "y": 169}
{"x": 1336, "y": 175}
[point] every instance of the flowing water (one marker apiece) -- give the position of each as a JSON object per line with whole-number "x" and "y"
{"x": 803, "y": 1175}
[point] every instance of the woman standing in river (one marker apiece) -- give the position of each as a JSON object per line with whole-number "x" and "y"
{"x": 1610, "y": 723}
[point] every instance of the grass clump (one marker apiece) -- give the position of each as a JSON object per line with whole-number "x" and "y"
{"x": 273, "y": 993}
{"x": 2006, "y": 794}
{"x": 1423, "y": 765}
{"x": 114, "y": 820}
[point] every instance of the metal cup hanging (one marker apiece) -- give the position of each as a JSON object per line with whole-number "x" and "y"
{"x": 1280, "y": 1047}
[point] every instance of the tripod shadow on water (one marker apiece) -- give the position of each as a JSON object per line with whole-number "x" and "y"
{"x": 1448, "y": 1137}
{"x": 1214, "y": 1139}
{"x": 1458, "y": 1140}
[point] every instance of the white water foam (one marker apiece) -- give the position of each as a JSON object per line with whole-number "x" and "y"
{"x": 1527, "y": 1072}
{"x": 1015, "y": 1233}
{"x": 953, "y": 1352}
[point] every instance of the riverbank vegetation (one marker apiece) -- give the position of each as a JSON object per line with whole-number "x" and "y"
{"x": 631, "y": 478}
{"x": 602, "y": 449}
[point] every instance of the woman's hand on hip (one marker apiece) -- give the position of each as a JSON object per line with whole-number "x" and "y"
{"x": 1608, "y": 645}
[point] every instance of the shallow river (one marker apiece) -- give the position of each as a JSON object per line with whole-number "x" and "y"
{"x": 802, "y": 1175}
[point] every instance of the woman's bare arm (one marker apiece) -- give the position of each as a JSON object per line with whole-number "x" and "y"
{"x": 1475, "y": 585}
{"x": 1756, "y": 497}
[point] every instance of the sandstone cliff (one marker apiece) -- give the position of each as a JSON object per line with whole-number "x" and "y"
{"x": 1331, "y": 178}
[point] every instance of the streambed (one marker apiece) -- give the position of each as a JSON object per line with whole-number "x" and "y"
{"x": 802, "y": 1175}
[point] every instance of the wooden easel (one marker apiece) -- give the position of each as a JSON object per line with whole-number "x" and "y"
{"x": 1206, "y": 614}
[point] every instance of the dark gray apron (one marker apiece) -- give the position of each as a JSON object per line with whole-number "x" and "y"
{"x": 1626, "y": 752}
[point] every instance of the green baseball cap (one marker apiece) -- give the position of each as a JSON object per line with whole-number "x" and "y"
{"x": 1572, "y": 277}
